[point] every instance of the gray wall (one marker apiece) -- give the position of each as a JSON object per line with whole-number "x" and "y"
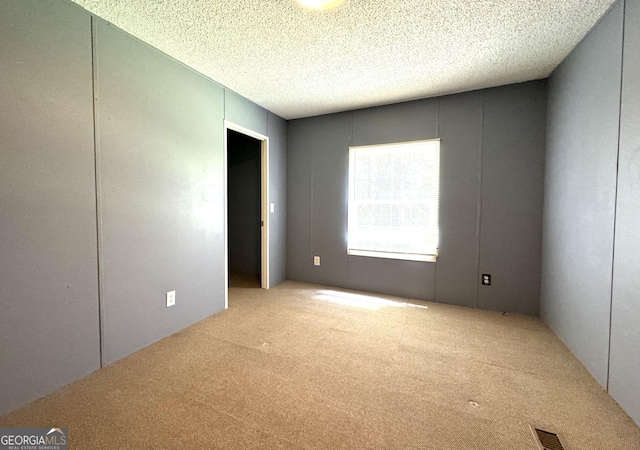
{"x": 590, "y": 264}
{"x": 277, "y": 130}
{"x": 492, "y": 164}
{"x": 512, "y": 197}
{"x": 161, "y": 170}
{"x": 582, "y": 148}
{"x": 100, "y": 218}
{"x": 241, "y": 111}
{"x": 244, "y": 197}
{"x": 624, "y": 370}
{"x": 49, "y": 333}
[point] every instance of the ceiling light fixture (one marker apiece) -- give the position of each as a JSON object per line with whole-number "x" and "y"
{"x": 318, "y": 5}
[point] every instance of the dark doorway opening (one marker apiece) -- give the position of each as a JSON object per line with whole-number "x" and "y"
{"x": 244, "y": 196}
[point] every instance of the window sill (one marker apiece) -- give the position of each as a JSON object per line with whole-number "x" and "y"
{"x": 391, "y": 255}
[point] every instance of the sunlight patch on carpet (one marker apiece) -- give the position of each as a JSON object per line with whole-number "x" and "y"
{"x": 362, "y": 301}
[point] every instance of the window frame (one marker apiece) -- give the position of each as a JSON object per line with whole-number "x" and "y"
{"x": 407, "y": 256}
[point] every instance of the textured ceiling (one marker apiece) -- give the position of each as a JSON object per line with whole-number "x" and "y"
{"x": 298, "y": 63}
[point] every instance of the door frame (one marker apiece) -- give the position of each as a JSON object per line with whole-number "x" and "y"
{"x": 264, "y": 206}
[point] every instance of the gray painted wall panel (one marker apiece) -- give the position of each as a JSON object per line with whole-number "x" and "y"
{"x": 317, "y": 193}
{"x": 160, "y": 154}
{"x": 49, "y": 334}
{"x": 299, "y": 181}
{"x": 241, "y": 111}
{"x": 512, "y": 196}
{"x": 277, "y": 128}
{"x": 160, "y": 128}
{"x": 582, "y": 140}
{"x": 330, "y": 156}
{"x": 410, "y": 279}
{"x": 460, "y": 152}
{"x": 401, "y": 122}
{"x": 624, "y": 372}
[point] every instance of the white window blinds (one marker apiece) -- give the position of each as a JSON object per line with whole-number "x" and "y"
{"x": 394, "y": 192}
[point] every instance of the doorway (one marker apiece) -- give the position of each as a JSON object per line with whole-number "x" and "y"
{"x": 246, "y": 169}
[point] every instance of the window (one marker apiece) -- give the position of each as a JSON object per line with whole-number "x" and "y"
{"x": 394, "y": 192}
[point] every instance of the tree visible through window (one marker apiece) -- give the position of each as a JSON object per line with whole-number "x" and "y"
{"x": 394, "y": 192}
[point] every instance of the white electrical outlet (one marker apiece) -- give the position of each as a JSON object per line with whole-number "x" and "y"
{"x": 316, "y": 260}
{"x": 171, "y": 298}
{"x": 273, "y": 207}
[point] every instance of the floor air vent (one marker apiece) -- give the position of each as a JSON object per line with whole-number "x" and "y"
{"x": 547, "y": 440}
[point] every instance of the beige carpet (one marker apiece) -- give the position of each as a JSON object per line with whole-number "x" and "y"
{"x": 303, "y": 366}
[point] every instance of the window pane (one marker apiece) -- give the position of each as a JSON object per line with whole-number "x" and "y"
{"x": 393, "y": 198}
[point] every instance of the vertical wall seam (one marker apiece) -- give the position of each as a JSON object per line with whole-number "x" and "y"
{"x": 312, "y": 272}
{"x": 98, "y": 191}
{"x": 435, "y": 264}
{"x": 479, "y": 200}
{"x": 267, "y": 207}
{"x": 438, "y": 117}
{"x": 544, "y": 191}
{"x": 225, "y": 200}
{"x": 348, "y": 200}
{"x": 615, "y": 202}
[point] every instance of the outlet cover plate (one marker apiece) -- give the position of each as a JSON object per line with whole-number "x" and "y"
{"x": 171, "y": 298}
{"x": 316, "y": 260}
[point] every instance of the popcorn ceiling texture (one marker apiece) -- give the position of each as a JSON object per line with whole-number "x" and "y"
{"x": 299, "y": 63}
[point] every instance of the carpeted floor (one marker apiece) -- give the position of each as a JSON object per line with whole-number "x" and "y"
{"x": 302, "y": 366}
